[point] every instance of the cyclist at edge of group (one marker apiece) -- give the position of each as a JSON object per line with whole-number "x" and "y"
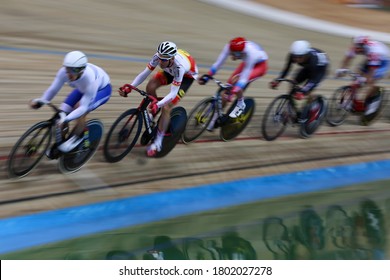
{"x": 374, "y": 68}
{"x": 313, "y": 64}
{"x": 92, "y": 88}
{"x": 253, "y": 66}
{"x": 179, "y": 69}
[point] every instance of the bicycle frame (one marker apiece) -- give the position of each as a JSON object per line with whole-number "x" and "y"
{"x": 292, "y": 91}
{"x": 218, "y": 95}
{"x": 354, "y": 86}
{"x": 143, "y": 108}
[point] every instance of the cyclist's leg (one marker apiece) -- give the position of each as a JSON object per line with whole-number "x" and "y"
{"x": 301, "y": 77}
{"x": 165, "y": 117}
{"x": 72, "y": 102}
{"x": 257, "y": 71}
{"x": 161, "y": 78}
{"x": 373, "y": 98}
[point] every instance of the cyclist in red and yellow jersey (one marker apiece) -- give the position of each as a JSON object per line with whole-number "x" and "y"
{"x": 179, "y": 69}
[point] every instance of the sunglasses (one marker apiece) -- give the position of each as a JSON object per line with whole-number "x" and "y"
{"x": 164, "y": 59}
{"x": 74, "y": 70}
{"x": 236, "y": 54}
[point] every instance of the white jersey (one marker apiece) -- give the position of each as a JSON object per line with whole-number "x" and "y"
{"x": 183, "y": 66}
{"x": 377, "y": 53}
{"x": 253, "y": 54}
{"x": 93, "y": 79}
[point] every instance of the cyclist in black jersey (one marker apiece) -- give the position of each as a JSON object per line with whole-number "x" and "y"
{"x": 314, "y": 65}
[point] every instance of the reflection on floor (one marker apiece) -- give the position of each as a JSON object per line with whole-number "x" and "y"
{"x": 355, "y": 230}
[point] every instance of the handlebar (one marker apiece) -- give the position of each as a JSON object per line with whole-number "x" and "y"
{"x": 350, "y": 73}
{"x": 54, "y": 107}
{"x": 218, "y": 82}
{"x": 144, "y": 93}
{"x": 294, "y": 83}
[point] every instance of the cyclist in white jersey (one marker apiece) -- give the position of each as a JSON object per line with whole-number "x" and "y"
{"x": 374, "y": 68}
{"x": 179, "y": 69}
{"x": 92, "y": 88}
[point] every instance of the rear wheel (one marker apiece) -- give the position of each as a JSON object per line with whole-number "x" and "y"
{"x": 29, "y": 149}
{"x": 198, "y": 120}
{"x": 176, "y": 128}
{"x": 373, "y": 106}
{"x": 123, "y": 135}
{"x": 315, "y": 113}
{"x": 339, "y": 106}
{"x": 276, "y": 117}
{"x": 75, "y": 159}
{"x": 234, "y": 127}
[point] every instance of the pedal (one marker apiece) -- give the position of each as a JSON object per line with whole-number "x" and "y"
{"x": 146, "y": 137}
{"x": 53, "y": 152}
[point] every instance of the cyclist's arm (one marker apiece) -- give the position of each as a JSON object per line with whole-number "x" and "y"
{"x": 141, "y": 76}
{"x": 287, "y": 67}
{"x": 348, "y": 57}
{"x": 144, "y": 74}
{"x": 175, "y": 86}
{"x": 56, "y": 85}
{"x": 220, "y": 60}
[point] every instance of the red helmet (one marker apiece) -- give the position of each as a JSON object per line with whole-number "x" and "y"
{"x": 361, "y": 40}
{"x": 237, "y": 44}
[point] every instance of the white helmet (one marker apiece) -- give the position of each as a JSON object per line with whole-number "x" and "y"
{"x": 75, "y": 59}
{"x": 300, "y": 48}
{"x": 167, "y": 49}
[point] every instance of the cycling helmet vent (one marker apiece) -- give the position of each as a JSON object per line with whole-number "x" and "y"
{"x": 167, "y": 49}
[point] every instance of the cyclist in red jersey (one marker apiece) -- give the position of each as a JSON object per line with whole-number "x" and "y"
{"x": 253, "y": 66}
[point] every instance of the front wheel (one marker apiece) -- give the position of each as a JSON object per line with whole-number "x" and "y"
{"x": 123, "y": 135}
{"x": 276, "y": 117}
{"x": 199, "y": 119}
{"x": 340, "y": 105}
{"x": 29, "y": 150}
{"x": 79, "y": 156}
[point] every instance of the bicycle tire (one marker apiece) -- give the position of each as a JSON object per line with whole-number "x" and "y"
{"x": 275, "y": 118}
{"x": 315, "y": 116}
{"x": 116, "y": 146}
{"x": 367, "y": 119}
{"x": 78, "y": 157}
{"x": 22, "y": 163}
{"x": 198, "y": 120}
{"x": 234, "y": 127}
{"x": 176, "y": 128}
{"x": 337, "y": 112}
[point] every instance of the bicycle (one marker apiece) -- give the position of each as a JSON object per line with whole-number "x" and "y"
{"x": 283, "y": 111}
{"x": 345, "y": 101}
{"x": 32, "y": 145}
{"x": 126, "y": 130}
{"x": 201, "y": 116}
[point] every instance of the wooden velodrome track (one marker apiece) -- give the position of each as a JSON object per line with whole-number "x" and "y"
{"x": 121, "y": 36}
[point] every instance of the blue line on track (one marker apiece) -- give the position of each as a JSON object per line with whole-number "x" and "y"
{"x": 38, "y": 229}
